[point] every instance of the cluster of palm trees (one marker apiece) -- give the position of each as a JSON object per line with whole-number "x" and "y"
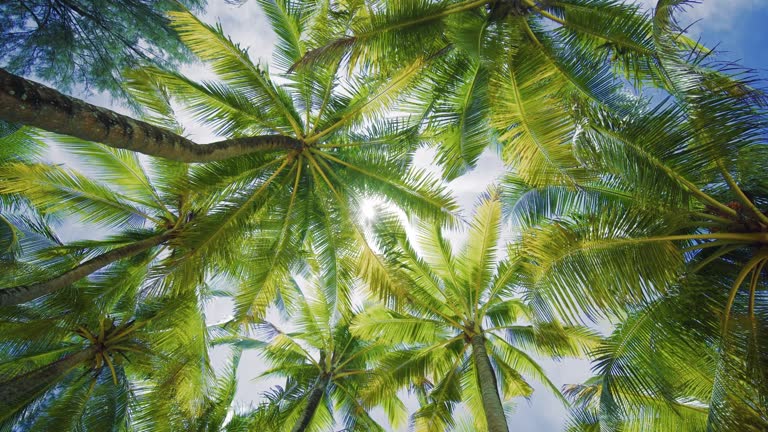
{"x": 645, "y": 212}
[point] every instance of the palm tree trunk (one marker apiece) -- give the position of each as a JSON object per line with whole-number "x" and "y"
{"x": 27, "y": 102}
{"x": 24, "y": 293}
{"x": 494, "y": 411}
{"x": 313, "y": 401}
{"x": 20, "y": 390}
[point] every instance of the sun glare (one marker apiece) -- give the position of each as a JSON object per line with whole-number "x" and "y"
{"x": 368, "y": 208}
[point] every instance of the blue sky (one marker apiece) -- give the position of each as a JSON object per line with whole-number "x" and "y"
{"x": 739, "y": 28}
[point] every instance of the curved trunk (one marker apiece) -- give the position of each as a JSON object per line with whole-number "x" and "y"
{"x": 494, "y": 411}
{"x": 313, "y": 401}
{"x": 24, "y": 293}
{"x": 27, "y": 102}
{"x": 19, "y": 391}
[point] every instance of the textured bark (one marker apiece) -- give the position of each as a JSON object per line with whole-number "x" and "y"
{"x": 33, "y": 104}
{"x": 19, "y": 391}
{"x": 313, "y": 401}
{"x": 24, "y": 293}
{"x": 494, "y": 411}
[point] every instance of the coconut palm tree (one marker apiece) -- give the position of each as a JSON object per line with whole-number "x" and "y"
{"x": 508, "y": 73}
{"x": 460, "y": 333}
{"x": 637, "y": 251}
{"x": 144, "y": 204}
{"x": 664, "y": 369}
{"x": 648, "y": 376}
{"x": 346, "y": 152}
{"x": 678, "y": 186}
{"x": 329, "y": 151}
{"x": 325, "y": 367}
{"x": 677, "y": 215}
{"x": 76, "y": 364}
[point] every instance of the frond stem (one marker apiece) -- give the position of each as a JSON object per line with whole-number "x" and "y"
{"x": 322, "y": 174}
{"x": 353, "y": 356}
{"x": 87, "y": 334}
{"x": 729, "y": 237}
{"x": 456, "y": 8}
{"x": 365, "y": 172}
{"x": 125, "y": 333}
{"x": 326, "y": 98}
{"x": 578, "y": 86}
{"x": 290, "y": 205}
{"x": 343, "y": 350}
{"x": 250, "y": 199}
{"x": 111, "y": 367}
{"x": 692, "y": 188}
{"x": 350, "y": 373}
{"x": 713, "y": 217}
{"x": 740, "y": 194}
{"x": 565, "y": 23}
{"x": 751, "y": 264}
{"x": 753, "y": 287}
{"x": 392, "y": 84}
{"x": 724, "y": 250}
{"x": 706, "y": 245}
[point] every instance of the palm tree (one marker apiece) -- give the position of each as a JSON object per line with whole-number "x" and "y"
{"x": 76, "y": 364}
{"x": 678, "y": 187}
{"x": 118, "y": 193}
{"x": 461, "y": 336}
{"x": 324, "y": 366}
{"x": 677, "y": 214}
{"x": 663, "y": 369}
{"x": 288, "y": 198}
{"x": 507, "y": 72}
{"x": 346, "y": 153}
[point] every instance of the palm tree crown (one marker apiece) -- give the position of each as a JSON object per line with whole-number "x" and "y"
{"x": 461, "y": 331}
{"x": 326, "y": 368}
{"x": 294, "y": 196}
{"x": 505, "y": 72}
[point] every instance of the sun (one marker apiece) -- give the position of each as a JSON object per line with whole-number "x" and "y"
{"x": 368, "y": 208}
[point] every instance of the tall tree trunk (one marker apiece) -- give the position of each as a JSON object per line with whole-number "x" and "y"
{"x": 24, "y": 293}
{"x": 313, "y": 401}
{"x": 494, "y": 411}
{"x": 16, "y": 392}
{"x": 27, "y": 102}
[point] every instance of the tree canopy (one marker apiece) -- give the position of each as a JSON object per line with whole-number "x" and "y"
{"x": 633, "y": 197}
{"x": 88, "y": 44}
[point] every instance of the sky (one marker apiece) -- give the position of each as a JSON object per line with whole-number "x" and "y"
{"x": 737, "y": 27}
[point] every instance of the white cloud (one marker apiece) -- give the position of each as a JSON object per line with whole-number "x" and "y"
{"x": 714, "y": 15}
{"x": 246, "y": 25}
